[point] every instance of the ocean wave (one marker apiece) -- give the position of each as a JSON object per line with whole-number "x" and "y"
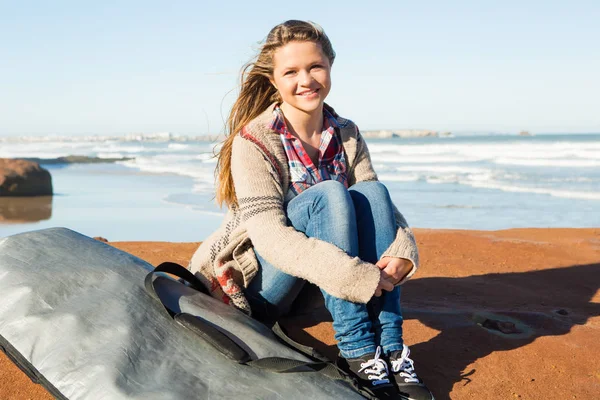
{"x": 406, "y": 159}
{"x": 466, "y": 152}
{"x": 203, "y": 175}
{"x": 118, "y": 148}
{"x": 548, "y": 162}
{"x": 443, "y": 169}
{"x": 206, "y": 157}
{"x": 133, "y": 137}
{"x": 569, "y": 194}
{"x": 506, "y": 181}
{"x": 512, "y": 166}
{"x": 177, "y": 146}
{"x": 399, "y": 178}
{"x": 205, "y": 186}
{"x": 110, "y": 155}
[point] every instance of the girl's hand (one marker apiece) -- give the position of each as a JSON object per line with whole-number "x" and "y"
{"x": 384, "y": 284}
{"x": 394, "y": 269}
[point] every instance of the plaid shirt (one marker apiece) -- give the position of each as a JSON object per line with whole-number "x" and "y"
{"x": 303, "y": 173}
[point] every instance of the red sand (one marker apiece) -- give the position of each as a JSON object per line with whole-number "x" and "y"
{"x": 540, "y": 284}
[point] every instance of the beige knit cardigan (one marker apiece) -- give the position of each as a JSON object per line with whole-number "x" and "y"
{"x": 226, "y": 262}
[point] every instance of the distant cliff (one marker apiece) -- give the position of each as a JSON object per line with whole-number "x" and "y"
{"x": 406, "y": 133}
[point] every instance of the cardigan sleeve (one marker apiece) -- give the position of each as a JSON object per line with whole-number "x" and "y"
{"x": 404, "y": 245}
{"x": 260, "y": 200}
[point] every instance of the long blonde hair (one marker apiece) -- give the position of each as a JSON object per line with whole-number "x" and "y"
{"x": 257, "y": 93}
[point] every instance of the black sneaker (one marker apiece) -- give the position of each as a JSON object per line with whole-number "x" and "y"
{"x": 371, "y": 373}
{"x": 409, "y": 385}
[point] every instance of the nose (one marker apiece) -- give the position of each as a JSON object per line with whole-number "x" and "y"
{"x": 305, "y": 78}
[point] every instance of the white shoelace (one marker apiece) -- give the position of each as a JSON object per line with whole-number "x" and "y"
{"x": 405, "y": 367}
{"x": 376, "y": 368}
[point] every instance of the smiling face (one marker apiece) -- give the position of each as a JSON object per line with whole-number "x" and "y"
{"x": 302, "y": 76}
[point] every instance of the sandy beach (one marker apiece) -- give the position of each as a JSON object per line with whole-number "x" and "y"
{"x": 511, "y": 314}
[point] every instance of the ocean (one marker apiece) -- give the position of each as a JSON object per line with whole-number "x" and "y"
{"x": 163, "y": 186}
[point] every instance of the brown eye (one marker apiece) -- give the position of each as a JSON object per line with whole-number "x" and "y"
{"x": 287, "y": 73}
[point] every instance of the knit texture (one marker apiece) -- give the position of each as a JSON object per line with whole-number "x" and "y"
{"x": 226, "y": 261}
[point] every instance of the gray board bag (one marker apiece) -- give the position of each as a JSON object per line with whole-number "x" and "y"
{"x": 82, "y": 318}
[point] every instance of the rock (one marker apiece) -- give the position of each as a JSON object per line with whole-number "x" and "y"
{"x": 416, "y": 133}
{"x": 23, "y": 178}
{"x": 101, "y": 239}
{"x": 506, "y": 327}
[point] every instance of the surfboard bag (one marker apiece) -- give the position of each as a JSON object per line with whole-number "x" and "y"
{"x": 88, "y": 321}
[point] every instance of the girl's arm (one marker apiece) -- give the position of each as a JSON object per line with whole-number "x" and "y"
{"x": 260, "y": 198}
{"x": 404, "y": 245}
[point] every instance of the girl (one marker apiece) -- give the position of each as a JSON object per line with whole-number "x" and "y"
{"x": 305, "y": 205}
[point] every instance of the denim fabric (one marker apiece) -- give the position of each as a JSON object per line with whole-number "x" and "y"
{"x": 360, "y": 221}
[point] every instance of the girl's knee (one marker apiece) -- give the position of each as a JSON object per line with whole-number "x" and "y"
{"x": 330, "y": 185}
{"x": 334, "y": 193}
{"x": 372, "y": 190}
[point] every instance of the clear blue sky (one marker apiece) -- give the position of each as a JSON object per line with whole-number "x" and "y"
{"x": 115, "y": 67}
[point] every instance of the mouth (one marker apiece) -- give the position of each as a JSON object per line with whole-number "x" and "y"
{"x": 308, "y": 93}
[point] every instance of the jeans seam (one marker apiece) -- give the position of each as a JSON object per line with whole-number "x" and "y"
{"x": 392, "y": 347}
{"x": 358, "y": 352}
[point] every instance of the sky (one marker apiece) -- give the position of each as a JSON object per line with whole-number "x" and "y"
{"x": 117, "y": 67}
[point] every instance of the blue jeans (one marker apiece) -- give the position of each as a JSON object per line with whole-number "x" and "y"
{"x": 360, "y": 221}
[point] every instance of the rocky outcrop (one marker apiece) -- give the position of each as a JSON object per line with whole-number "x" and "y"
{"x": 23, "y": 178}
{"x": 73, "y": 159}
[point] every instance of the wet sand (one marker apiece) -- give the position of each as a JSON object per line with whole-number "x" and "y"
{"x": 511, "y": 314}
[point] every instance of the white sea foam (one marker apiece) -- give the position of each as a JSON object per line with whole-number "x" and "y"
{"x": 116, "y": 148}
{"x": 163, "y": 166}
{"x": 112, "y": 155}
{"x": 206, "y": 157}
{"x": 493, "y": 152}
{"x": 134, "y": 137}
{"x": 518, "y": 166}
{"x": 548, "y": 162}
{"x": 31, "y": 154}
{"x": 184, "y": 165}
{"x": 490, "y": 178}
{"x": 205, "y": 186}
{"x": 423, "y": 159}
{"x": 178, "y": 146}
{"x": 442, "y": 169}
{"x": 520, "y": 189}
{"x": 399, "y": 177}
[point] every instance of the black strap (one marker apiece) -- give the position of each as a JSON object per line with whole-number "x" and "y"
{"x": 183, "y": 273}
{"x": 214, "y": 337}
{"x": 226, "y": 346}
{"x": 286, "y": 365}
{"x": 178, "y": 271}
{"x": 197, "y": 325}
{"x": 306, "y": 350}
